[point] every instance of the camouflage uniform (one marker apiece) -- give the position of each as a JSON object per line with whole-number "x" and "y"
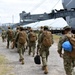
{"x": 26, "y": 45}
{"x": 41, "y": 30}
{"x": 67, "y": 59}
{"x": 3, "y": 35}
{"x": 9, "y": 38}
{"x": 44, "y": 53}
{"x": 20, "y": 47}
{"x": 21, "y": 52}
{"x": 15, "y": 37}
{"x": 32, "y": 45}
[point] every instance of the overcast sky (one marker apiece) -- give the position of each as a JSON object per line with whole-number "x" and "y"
{"x": 10, "y": 9}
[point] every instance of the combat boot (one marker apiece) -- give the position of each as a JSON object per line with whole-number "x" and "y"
{"x": 22, "y": 62}
{"x": 7, "y": 47}
{"x": 46, "y": 70}
{"x": 33, "y": 54}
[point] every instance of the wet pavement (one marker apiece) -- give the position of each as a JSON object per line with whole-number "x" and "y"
{"x": 55, "y": 63}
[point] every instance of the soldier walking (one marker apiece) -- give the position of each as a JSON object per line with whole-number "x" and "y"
{"x": 15, "y": 36}
{"x": 44, "y": 43}
{"x": 68, "y": 60}
{"x": 21, "y": 37}
{"x": 10, "y": 35}
{"x": 32, "y": 42}
{"x": 3, "y": 35}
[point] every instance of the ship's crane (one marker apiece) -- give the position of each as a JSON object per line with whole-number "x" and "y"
{"x": 27, "y": 17}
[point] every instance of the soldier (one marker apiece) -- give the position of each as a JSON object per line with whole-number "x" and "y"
{"x": 3, "y": 35}
{"x": 44, "y": 43}
{"x": 41, "y": 30}
{"x": 16, "y": 33}
{"x": 26, "y": 45}
{"x": 21, "y": 37}
{"x": 32, "y": 42}
{"x": 67, "y": 59}
{"x": 10, "y": 35}
{"x": 39, "y": 34}
{"x": 27, "y": 30}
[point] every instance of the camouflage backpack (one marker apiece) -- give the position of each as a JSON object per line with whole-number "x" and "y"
{"x": 33, "y": 37}
{"x": 10, "y": 33}
{"x": 72, "y": 41}
{"x": 47, "y": 38}
{"x": 3, "y": 34}
{"x": 22, "y": 37}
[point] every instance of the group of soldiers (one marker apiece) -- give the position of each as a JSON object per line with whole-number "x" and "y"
{"x": 24, "y": 39}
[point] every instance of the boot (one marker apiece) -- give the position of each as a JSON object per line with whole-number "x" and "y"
{"x": 33, "y": 54}
{"x": 46, "y": 70}
{"x": 22, "y": 62}
{"x": 7, "y": 47}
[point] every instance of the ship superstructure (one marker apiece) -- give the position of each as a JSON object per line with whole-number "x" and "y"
{"x": 69, "y": 4}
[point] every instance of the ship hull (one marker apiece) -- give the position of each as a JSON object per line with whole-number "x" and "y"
{"x": 68, "y": 4}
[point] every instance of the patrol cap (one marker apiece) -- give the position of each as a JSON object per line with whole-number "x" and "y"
{"x": 21, "y": 28}
{"x": 18, "y": 27}
{"x": 41, "y": 27}
{"x": 67, "y": 27}
{"x": 9, "y": 27}
{"x": 46, "y": 28}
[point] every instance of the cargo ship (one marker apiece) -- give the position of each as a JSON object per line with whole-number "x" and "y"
{"x": 69, "y": 4}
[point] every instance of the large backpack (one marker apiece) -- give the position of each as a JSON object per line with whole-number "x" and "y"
{"x": 47, "y": 39}
{"x": 72, "y": 41}
{"x": 10, "y": 33}
{"x": 3, "y": 34}
{"x": 33, "y": 37}
{"x": 22, "y": 37}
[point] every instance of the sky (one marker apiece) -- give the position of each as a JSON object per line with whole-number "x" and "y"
{"x": 10, "y": 9}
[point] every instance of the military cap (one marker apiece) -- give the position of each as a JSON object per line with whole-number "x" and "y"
{"x": 66, "y": 27}
{"x": 46, "y": 28}
{"x": 21, "y": 28}
{"x": 41, "y": 27}
{"x": 18, "y": 27}
{"x": 9, "y": 27}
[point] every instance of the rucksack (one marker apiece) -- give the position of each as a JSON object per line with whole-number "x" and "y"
{"x": 72, "y": 41}
{"x": 47, "y": 38}
{"x": 3, "y": 34}
{"x": 22, "y": 37}
{"x": 33, "y": 37}
{"x": 10, "y": 33}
